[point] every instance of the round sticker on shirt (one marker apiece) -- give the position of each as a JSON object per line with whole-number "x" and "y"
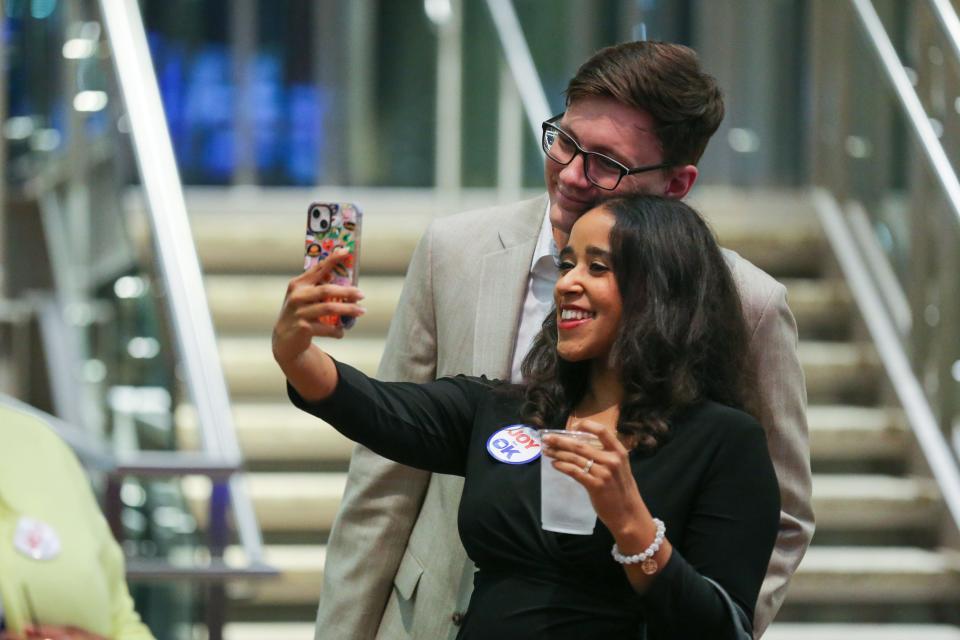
{"x": 36, "y": 539}
{"x": 516, "y": 444}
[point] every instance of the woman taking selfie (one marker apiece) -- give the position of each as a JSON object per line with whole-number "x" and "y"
{"x": 643, "y": 352}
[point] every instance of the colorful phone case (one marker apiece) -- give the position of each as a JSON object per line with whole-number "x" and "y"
{"x": 331, "y": 225}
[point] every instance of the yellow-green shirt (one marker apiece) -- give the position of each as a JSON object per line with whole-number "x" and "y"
{"x": 83, "y": 584}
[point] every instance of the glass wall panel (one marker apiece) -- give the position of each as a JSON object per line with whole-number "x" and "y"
{"x": 405, "y": 75}
{"x": 285, "y": 108}
{"x": 190, "y": 45}
{"x": 295, "y": 92}
{"x": 37, "y": 108}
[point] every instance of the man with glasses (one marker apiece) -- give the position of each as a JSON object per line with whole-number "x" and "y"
{"x": 601, "y": 170}
{"x": 637, "y": 120}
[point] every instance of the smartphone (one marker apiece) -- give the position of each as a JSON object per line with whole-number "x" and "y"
{"x": 331, "y": 225}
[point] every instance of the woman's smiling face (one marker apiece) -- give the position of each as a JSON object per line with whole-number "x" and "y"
{"x": 588, "y": 300}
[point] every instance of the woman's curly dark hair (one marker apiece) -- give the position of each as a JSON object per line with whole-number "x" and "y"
{"x": 682, "y": 338}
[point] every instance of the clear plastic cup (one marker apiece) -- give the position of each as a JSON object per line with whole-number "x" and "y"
{"x": 565, "y": 505}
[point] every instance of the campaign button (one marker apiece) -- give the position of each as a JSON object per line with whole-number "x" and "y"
{"x": 516, "y": 444}
{"x": 36, "y": 539}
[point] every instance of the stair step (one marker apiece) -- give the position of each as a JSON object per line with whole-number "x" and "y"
{"x": 262, "y": 296}
{"x": 782, "y": 631}
{"x": 775, "y": 229}
{"x": 839, "y": 370}
{"x": 264, "y": 232}
{"x": 305, "y": 502}
{"x": 887, "y": 575}
{"x": 843, "y": 432}
{"x": 273, "y": 432}
{"x": 875, "y": 502}
{"x": 769, "y": 206}
{"x": 270, "y": 631}
{"x": 832, "y": 369}
{"x": 778, "y": 236}
{"x": 853, "y": 575}
{"x": 821, "y": 307}
{"x": 282, "y": 501}
{"x": 800, "y": 631}
{"x": 301, "y": 573}
{"x": 251, "y": 371}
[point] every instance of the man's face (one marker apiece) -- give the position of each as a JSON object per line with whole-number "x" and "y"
{"x": 615, "y": 130}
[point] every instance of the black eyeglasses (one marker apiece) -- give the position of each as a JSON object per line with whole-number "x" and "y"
{"x": 602, "y": 171}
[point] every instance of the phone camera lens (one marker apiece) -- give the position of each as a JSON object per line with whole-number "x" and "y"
{"x": 320, "y": 219}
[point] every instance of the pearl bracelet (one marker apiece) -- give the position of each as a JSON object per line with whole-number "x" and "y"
{"x": 649, "y": 565}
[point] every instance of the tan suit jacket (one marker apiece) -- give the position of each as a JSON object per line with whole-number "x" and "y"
{"x": 395, "y": 566}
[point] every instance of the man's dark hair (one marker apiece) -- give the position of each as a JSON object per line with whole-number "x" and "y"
{"x": 682, "y": 338}
{"x": 666, "y": 81}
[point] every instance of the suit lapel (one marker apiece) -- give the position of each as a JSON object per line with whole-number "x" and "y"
{"x": 503, "y": 286}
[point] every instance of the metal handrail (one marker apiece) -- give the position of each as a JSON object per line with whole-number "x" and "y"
{"x": 520, "y": 63}
{"x": 876, "y": 260}
{"x": 215, "y": 572}
{"x": 892, "y": 354}
{"x": 910, "y": 102}
{"x": 949, "y": 22}
{"x": 880, "y": 323}
{"x": 176, "y": 253}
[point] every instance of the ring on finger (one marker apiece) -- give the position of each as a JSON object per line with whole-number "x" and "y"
{"x": 588, "y": 466}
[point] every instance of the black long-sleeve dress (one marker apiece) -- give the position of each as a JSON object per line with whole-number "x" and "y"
{"x": 712, "y": 484}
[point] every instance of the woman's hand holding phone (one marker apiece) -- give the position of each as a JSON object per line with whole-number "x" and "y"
{"x": 310, "y": 297}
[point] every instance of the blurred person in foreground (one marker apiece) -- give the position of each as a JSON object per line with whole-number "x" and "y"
{"x": 638, "y": 118}
{"x": 644, "y": 349}
{"x": 61, "y": 571}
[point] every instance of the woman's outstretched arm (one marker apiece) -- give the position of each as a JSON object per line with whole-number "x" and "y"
{"x": 426, "y": 426}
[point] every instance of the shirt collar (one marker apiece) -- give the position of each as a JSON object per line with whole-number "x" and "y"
{"x": 546, "y": 251}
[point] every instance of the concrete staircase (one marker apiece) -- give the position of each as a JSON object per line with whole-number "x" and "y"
{"x": 874, "y": 571}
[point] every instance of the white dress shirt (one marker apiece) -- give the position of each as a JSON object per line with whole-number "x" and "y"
{"x": 539, "y": 299}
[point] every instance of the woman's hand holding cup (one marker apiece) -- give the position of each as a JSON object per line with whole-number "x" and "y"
{"x": 608, "y": 478}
